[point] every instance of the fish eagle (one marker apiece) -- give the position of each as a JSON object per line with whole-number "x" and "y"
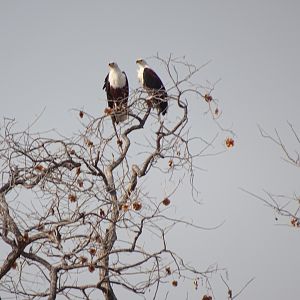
{"x": 153, "y": 86}
{"x": 117, "y": 91}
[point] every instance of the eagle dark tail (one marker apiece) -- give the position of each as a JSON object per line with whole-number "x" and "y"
{"x": 121, "y": 111}
{"x": 121, "y": 117}
{"x": 163, "y": 107}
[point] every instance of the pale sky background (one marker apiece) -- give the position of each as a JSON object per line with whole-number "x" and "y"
{"x": 54, "y": 55}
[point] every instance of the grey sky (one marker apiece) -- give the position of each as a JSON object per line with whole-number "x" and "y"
{"x": 54, "y": 55}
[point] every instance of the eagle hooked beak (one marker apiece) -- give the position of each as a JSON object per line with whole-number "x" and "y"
{"x": 138, "y": 61}
{"x": 111, "y": 64}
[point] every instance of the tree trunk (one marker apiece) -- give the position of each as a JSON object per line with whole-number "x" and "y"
{"x": 109, "y": 240}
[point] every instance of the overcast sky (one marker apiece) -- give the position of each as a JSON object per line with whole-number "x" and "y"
{"x": 54, "y": 56}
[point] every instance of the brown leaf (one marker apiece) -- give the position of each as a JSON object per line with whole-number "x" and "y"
{"x": 174, "y": 283}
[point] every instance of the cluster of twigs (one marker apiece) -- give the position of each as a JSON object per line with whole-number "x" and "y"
{"x": 75, "y": 217}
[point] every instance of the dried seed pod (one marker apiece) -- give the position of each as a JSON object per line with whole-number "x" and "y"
{"x": 39, "y": 168}
{"x": 71, "y": 151}
{"x": 208, "y": 98}
{"x": 137, "y": 205}
{"x": 166, "y": 201}
{"x": 83, "y": 259}
{"x": 72, "y": 197}
{"x": 14, "y": 265}
{"x": 125, "y": 207}
{"x": 205, "y": 297}
{"x": 91, "y": 268}
{"x": 229, "y": 142}
{"x": 119, "y": 142}
{"x": 108, "y": 111}
{"x": 80, "y": 182}
{"x": 92, "y": 251}
{"x": 102, "y": 213}
{"x": 25, "y": 236}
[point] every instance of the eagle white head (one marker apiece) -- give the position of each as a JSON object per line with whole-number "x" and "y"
{"x": 141, "y": 63}
{"x": 116, "y": 77}
{"x": 113, "y": 66}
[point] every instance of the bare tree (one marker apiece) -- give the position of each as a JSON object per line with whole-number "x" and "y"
{"x": 77, "y": 215}
{"x": 284, "y": 205}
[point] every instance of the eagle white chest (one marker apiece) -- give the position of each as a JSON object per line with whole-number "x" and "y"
{"x": 116, "y": 79}
{"x": 140, "y": 72}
